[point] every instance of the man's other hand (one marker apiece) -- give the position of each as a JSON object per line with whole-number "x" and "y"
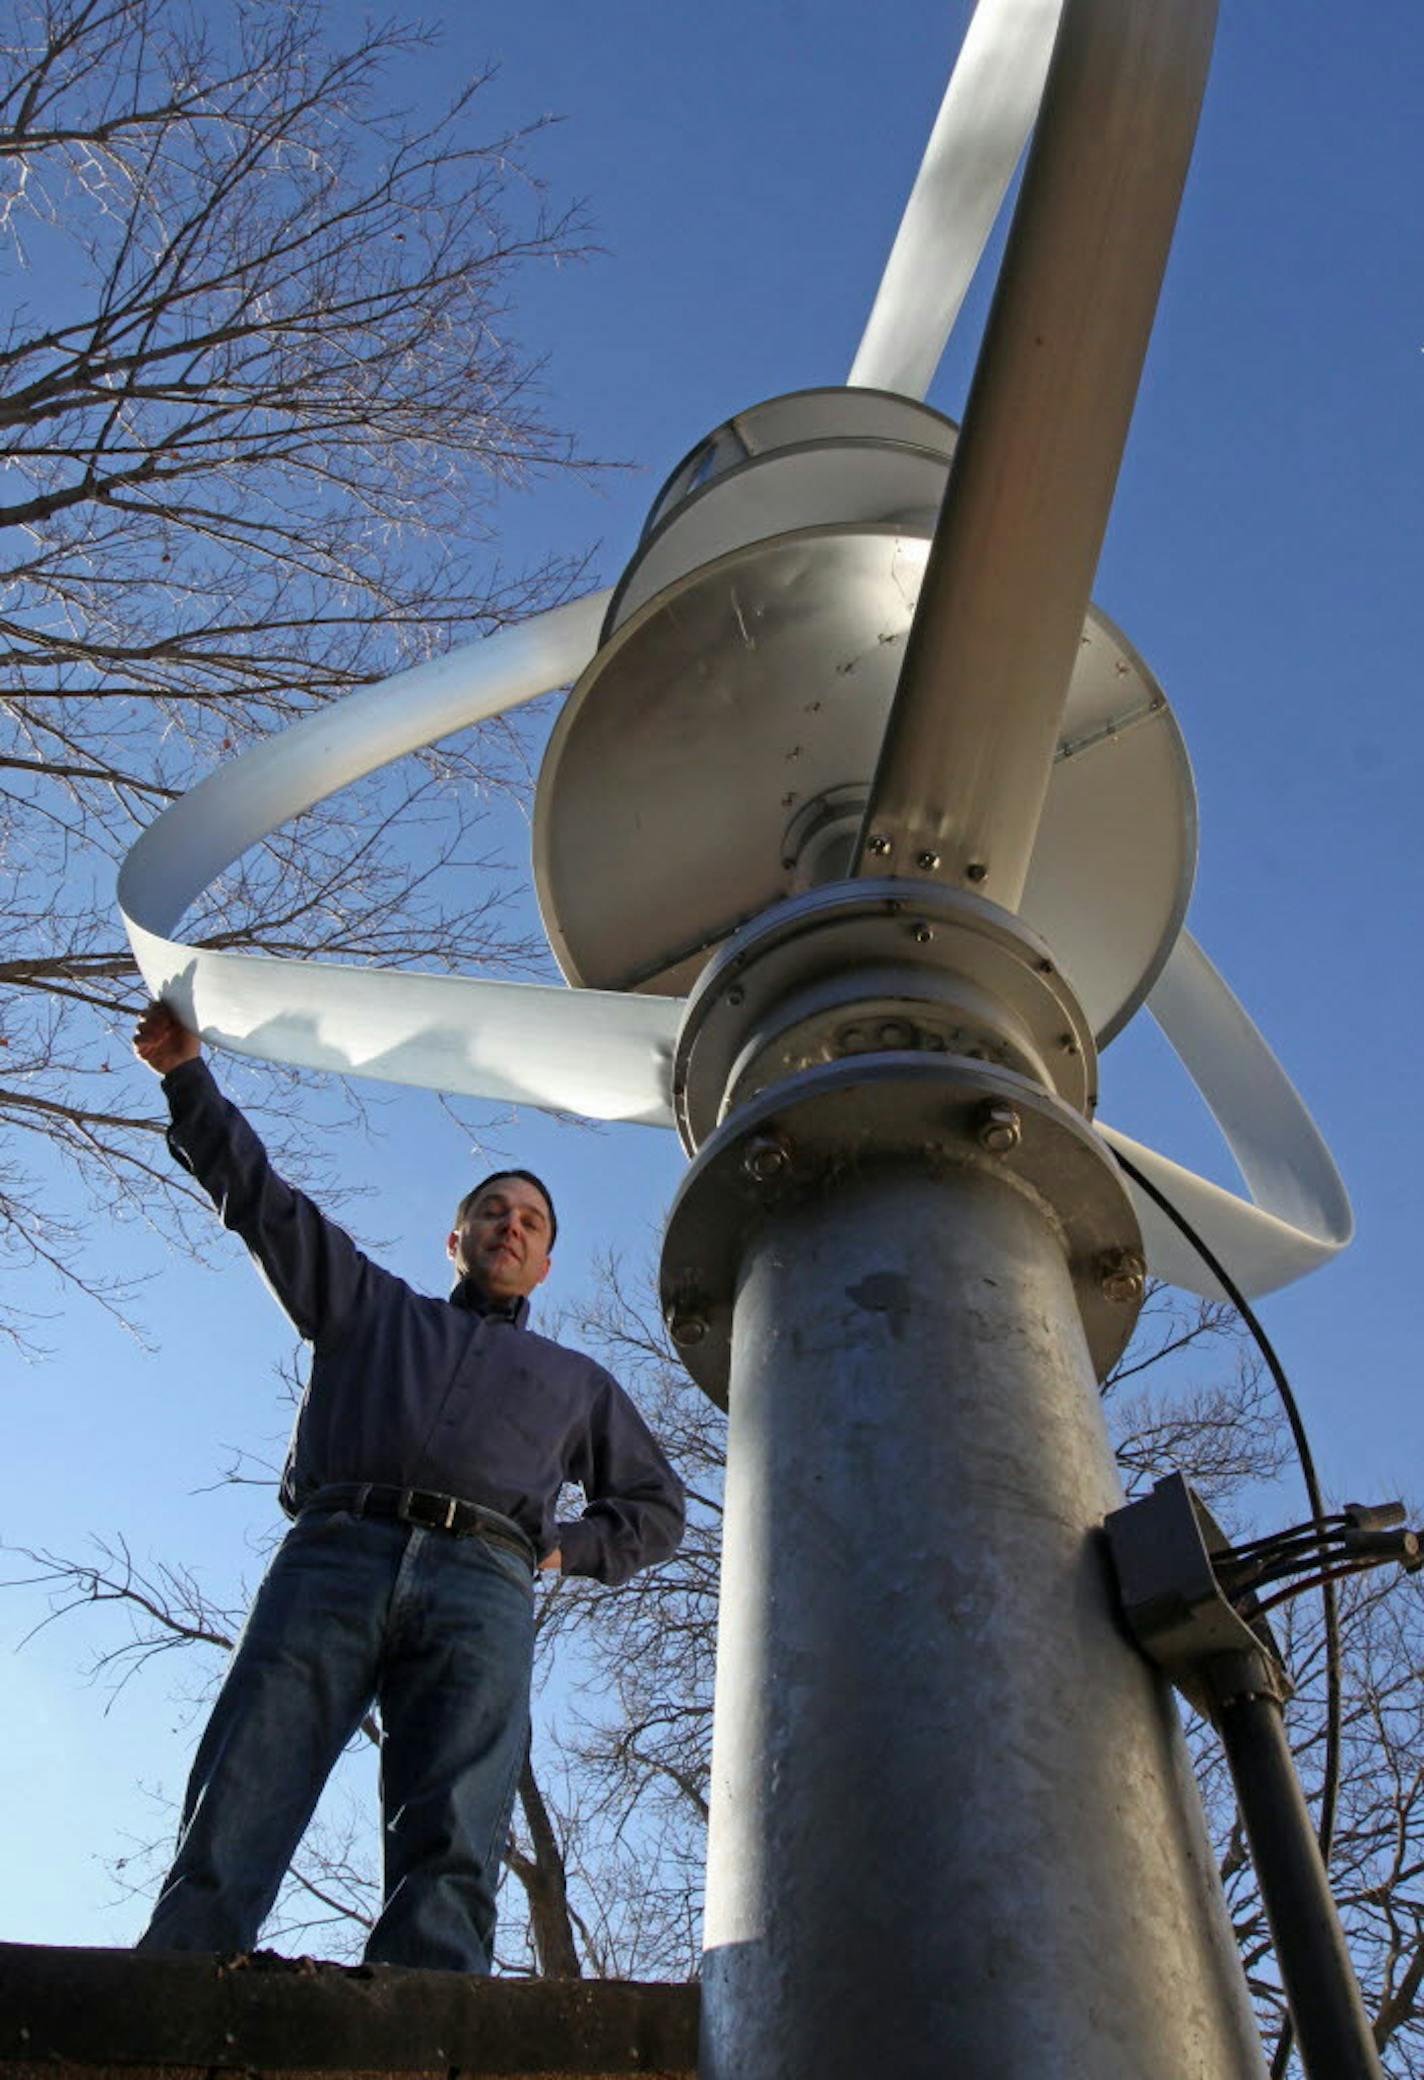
{"x": 163, "y": 1041}
{"x": 552, "y": 1563}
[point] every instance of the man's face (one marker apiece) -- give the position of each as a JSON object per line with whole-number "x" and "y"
{"x": 502, "y": 1241}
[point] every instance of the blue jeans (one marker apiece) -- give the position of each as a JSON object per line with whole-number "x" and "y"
{"x": 439, "y": 1632}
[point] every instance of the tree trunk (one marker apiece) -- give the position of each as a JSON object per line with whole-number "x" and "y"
{"x": 542, "y": 1876}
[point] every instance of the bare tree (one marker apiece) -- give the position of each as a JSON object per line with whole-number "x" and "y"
{"x": 259, "y": 398}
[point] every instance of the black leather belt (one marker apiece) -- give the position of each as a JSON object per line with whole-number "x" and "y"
{"x": 431, "y": 1512}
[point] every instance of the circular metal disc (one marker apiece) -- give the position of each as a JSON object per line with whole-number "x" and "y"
{"x": 762, "y": 680}
{"x": 857, "y": 482}
{"x": 856, "y": 1112}
{"x": 861, "y": 417}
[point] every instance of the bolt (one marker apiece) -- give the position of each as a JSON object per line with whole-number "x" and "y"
{"x": 765, "y": 1158}
{"x": 975, "y": 871}
{"x": 1122, "y": 1276}
{"x": 1067, "y": 1043}
{"x": 687, "y": 1329}
{"x": 896, "y": 1032}
{"x": 1045, "y": 967}
{"x": 852, "y": 1040}
{"x": 923, "y": 934}
{"x": 735, "y": 997}
{"x": 879, "y": 845}
{"x": 927, "y": 860}
{"x": 999, "y": 1129}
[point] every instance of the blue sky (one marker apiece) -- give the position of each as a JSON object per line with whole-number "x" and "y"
{"x": 744, "y": 170}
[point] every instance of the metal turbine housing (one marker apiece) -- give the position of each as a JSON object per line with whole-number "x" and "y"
{"x": 871, "y": 967}
{"x": 882, "y": 1021}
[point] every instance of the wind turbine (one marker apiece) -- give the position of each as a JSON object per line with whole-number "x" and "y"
{"x": 858, "y": 837}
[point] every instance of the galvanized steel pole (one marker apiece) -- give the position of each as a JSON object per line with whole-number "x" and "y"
{"x": 953, "y": 1826}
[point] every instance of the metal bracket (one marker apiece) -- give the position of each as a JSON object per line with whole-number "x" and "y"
{"x": 1176, "y": 1609}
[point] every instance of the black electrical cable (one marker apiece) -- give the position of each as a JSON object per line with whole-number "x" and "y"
{"x": 1290, "y": 1568}
{"x": 1330, "y": 1778}
{"x": 1317, "y": 1581}
{"x": 1289, "y": 1536}
{"x": 1239, "y": 1571}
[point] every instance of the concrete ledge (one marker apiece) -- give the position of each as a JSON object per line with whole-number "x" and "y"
{"x": 178, "y": 2017}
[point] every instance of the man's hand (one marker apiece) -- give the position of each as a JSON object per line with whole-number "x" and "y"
{"x": 552, "y": 1562}
{"x": 163, "y": 1041}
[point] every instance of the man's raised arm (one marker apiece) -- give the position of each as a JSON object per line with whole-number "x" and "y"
{"x": 314, "y": 1268}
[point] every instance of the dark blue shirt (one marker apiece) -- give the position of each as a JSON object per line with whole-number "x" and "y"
{"x": 458, "y": 1396}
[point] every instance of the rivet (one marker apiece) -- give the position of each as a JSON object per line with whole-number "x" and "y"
{"x": 766, "y": 1157}
{"x": 975, "y": 871}
{"x": 896, "y": 1033}
{"x": 927, "y": 860}
{"x": 879, "y": 844}
{"x": 735, "y": 997}
{"x": 687, "y": 1329}
{"x": 1122, "y": 1276}
{"x": 923, "y": 934}
{"x": 999, "y": 1129}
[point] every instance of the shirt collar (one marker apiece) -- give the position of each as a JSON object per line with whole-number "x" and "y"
{"x": 475, "y": 1300}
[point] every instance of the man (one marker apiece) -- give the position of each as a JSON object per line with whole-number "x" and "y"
{"x": 428, "y": 1455}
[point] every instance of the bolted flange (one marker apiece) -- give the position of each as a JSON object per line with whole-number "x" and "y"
{"x": 930, "y": 1109}
{"x": 870, "y": 967}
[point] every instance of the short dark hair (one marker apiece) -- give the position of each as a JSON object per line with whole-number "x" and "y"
{"x": 494, "y": 1177}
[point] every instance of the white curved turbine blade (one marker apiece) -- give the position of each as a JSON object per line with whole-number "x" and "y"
{"x": 978, "y": 137}
{"x": 595, "y": 1052}
{"x": 601, "y": 1053}
{"x": 252, "y": 795}
{"x": 1298, "y": 1215}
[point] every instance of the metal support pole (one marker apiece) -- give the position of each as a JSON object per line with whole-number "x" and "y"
{"x": 969, "y": 744}
{"x": 1331, "y": 2026}
{"x": 953, "y": 1826}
